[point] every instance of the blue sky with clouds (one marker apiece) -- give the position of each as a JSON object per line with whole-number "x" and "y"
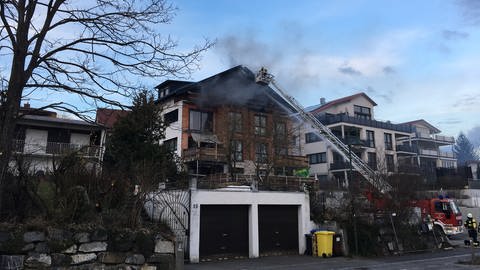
{"x": 416, "y": 59}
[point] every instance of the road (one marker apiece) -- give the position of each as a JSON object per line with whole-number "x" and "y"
{"x": 438, "y": 259}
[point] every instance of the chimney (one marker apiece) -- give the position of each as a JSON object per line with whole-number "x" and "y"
{"x": 26, "y": 105}
{"x": 322, "y": 101}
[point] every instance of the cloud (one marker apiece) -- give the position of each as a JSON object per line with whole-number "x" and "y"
{"x": 470, "y": 10}
{"x": 454, "y": 35}
{"x": 349, "y": 71}
{"x": 450, "y": 121}
{"x": 467, "y": 101}
{"x": 385, "y": 95}
{"x": 388, "y": 70}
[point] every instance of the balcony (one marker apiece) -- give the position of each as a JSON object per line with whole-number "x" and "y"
{"x": 338, "y": 118}
{"x": 437, "y": 138}
{"x": 406, "y": 149}
{"x": 203, "y": 154}
{"x": 55, "y": 148}
{"x": 409, "y": 169}
{"x": 436, "y": 153}
{"x": 339, "y": 165}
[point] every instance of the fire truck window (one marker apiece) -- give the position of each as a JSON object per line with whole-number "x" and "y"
{"x": 438, "y": 207}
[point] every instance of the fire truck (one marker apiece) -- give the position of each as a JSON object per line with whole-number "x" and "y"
{"x": 442, "y": 213}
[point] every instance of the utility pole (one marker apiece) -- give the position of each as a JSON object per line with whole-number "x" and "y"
{"x": 352, "y": 198}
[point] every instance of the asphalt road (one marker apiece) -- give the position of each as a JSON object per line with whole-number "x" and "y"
{"x": 438, "y": 259}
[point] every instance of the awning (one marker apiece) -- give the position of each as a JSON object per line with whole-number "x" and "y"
{"x": 206, "y": 138}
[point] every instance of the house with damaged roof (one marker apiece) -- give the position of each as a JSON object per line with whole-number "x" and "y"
{"x": 243, "y": 150}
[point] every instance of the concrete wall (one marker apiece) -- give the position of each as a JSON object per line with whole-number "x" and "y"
{"x": 253, "y": 199}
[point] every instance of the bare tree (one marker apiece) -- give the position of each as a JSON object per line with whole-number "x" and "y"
{"x": 97, "y": 50}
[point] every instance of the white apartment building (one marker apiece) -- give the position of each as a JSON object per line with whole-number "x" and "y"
{"x": 409, "y": 147}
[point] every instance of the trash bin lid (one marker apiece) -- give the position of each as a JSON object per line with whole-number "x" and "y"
{"x": 325, "y": 232}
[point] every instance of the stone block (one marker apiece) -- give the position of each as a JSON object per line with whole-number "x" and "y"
{"x": 162, "y": 261}
{"x": 121, "y": 242}
{"x": 83, "y": 258}
{"x": 28, "y": 247}
{"x": 59, "y": 234}
{"x": 93, "y": 247}
{"x": 164, "y": 246}
{"x": 59, "y": 259}
{"x": 136, "y": 259}
{"x": 12, "y": 262}
{"x": 82, "y": 237}
{"x": 148, "y": 267}
{"x": 38, "y": 261}
{"x": 30, "y": 237}
{"x": 111, "y": 257}
{"x": 42, "y": 247}
{"x": 5, "y": 236}
{"x": 71, "y": 250}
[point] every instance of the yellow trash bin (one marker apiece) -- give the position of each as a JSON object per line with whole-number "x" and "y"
{"x": 324, "y": 243}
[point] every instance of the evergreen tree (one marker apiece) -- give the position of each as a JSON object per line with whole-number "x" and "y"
{"x": 464, "y": 150}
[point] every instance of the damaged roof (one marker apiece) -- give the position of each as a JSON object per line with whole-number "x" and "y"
{"x": 234, "y": 86}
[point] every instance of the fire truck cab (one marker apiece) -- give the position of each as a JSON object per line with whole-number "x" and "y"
{"x": 444, "y": 214}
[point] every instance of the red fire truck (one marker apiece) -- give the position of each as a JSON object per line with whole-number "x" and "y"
{"x": 442, "y": 212}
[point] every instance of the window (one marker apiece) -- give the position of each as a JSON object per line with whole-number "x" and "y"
{"x": 388, "y": 141}
{"x": 260, "y": 125}
{"x": 235, "y": 121}
{"x": 201, "y": 121}
{"x": 370, "y": 139}
{"x": 280, "y": 130}
{"x": 171, "y": 117}
{"x": 237, "y": 150}
{"x": 372, "y": 160}
{"x": 281, "y": 150}
{"x": 362, "y": 112}
{"x": 317, "y": 158}
{"x": 390, "y": 163}
{"x": 311, "y": 137}
{"x": 261, "y": 153}
{"x": 171, "y": 144}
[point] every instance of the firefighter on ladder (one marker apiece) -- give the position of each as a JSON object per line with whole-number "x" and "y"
{"x": 471, "y": 225}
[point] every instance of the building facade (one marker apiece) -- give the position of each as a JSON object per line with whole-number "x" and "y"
{"x": 41, "y": 139}
{"x": 412, "y": 147}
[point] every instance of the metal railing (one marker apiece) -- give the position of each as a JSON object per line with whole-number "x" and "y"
{"x": 337, "y": 118}
{"x": 55, "y": 148}
{"x": 406, "y": 148}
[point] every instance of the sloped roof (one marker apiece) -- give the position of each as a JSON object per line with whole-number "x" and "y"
{"x": 108, "y": 117}
{"x": 425, "y": 123}
{"x": 48, "y": 121}
{"x": 233, "y": 86}
{"x": 320, "y": 107}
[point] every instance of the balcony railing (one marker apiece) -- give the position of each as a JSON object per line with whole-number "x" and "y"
{"x": 406, "y": 148}
{"x": 339, "y": 165}
{"x": 446, "y": 154}
{"x": 55, "y": 148}
{"x": 249, "y": 182}
{"x": 333, "y": 119}
{"x": 203, "y": 154}
{"x": 438, "y": 138}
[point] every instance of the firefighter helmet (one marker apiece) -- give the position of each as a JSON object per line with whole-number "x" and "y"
{"x": 469, "y": 215}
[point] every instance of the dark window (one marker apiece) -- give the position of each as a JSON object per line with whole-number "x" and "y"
{"x": 237, "y": 150}
{"x": 171, "y": 117}
{"x": 370, "y": 139}
{"x": 372, "y": 160}
{"x": 311, "y": 137}
{"x": 260, "y": 125}
{"x": 362, "y": 112}
{"x": 171, "y": 144}
{"x": 281, "y": 150}
{"x": 201, "y": 121}
{"x": 235, "y": 121}
{"x": 390, "y": 163}
{"x": 261, "y": 153}
{"x": 317, "y": 158}
{"x": 322, "y": 177}
{"x": 280, "y": 130}
{"x": 388, "y": 141}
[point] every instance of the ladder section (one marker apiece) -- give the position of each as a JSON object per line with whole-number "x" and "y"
{"x": 370, "y": 175}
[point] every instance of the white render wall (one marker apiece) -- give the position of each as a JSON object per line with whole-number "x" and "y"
{"x": 175, "y": 129}
{"x": 253, "y": 199}
{"x": 80, "y": 139}
{"x": 35, "y": 141}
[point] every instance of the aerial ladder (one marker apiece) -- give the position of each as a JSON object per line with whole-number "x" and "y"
{"x": 374, "y": 178}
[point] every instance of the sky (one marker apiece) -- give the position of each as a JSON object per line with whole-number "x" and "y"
{"x": 415, "y": 59}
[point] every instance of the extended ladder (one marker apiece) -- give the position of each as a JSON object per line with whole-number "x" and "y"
{"x": 370, "y": 175}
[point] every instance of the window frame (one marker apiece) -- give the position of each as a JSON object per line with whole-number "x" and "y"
{"x": 311, "y": 137}
{"x": 168, "y": 119}
{"x": 388, "y": 140}
{"x": 260, "y": 127}
{"x": 261, "y": 153}
{"x": 237, "y": 153}
{"x": 317, "y": 158}
{"x": 204, "y": 125}
{"x": 235, "y": 121}
{"x": 370, "y": 141}
{"x": 362, "y": 112}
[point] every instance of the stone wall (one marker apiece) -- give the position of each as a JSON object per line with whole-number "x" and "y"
{"x": 94, "y": 249}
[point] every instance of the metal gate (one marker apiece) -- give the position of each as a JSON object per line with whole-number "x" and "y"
{"x": 173, "y": 208}
{"x": 278, "y": 228}
{"x": 224, "y": 230}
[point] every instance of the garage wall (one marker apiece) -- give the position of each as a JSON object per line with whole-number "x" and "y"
{"x": 253, "y": 200}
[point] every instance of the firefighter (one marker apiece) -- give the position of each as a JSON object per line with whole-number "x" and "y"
{"x": 471, "y": 225}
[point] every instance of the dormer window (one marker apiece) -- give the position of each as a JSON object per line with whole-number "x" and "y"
{"x": 362, "y": 112}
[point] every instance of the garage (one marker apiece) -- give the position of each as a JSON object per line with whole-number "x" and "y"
{"x": 278, "y": 228}
{"x": 223, "y": 230}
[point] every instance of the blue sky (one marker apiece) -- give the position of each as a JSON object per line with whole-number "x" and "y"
{"x": 416, "y": 59}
